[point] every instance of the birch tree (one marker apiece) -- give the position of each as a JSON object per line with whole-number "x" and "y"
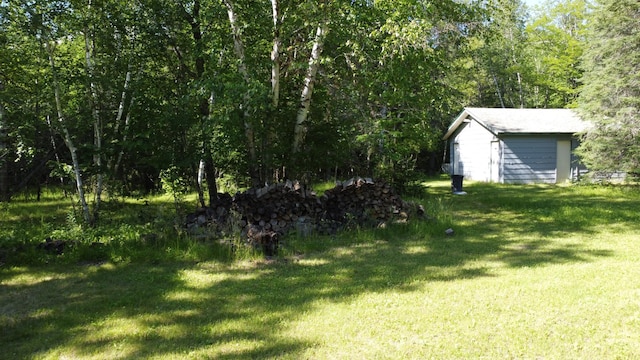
{"x": 93, "y": 103}
{"x": 247, "y": 110}
{"x": 77, "y": 30}
{"x": 4, "y": 152}
{"x": 264, "y": 130}
{"x": 301, "y": 125}
{"x": 123, "y": 121}
{"x": 275, "y": 54}
{"x": 49, "y": 47}
{"x": 206, "y": 166}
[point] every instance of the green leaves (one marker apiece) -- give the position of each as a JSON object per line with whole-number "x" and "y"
{"x": 611, "y": 95}
{"x": 392, "y": 72}
{"x": 557, "y": 42}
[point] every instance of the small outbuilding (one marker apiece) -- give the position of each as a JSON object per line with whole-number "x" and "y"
{"x": 515, "y": 145}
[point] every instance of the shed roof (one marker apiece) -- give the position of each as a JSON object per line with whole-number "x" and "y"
{"x": 522, "y": 121}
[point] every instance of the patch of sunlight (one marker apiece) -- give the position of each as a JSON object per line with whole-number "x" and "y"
{"x": 251, "y": 265}
{"x": 120, "y": 330}
{"x": 114, "y": 352}
{"x": 412, "y": 250}
{"x": 237, "y": 348}
{"x": 172, "y": 331}
{"x": 341, "y": 252}
{"x": 374, "y": 244}
{"x": 610, "y": 228}
{"x": 41, "y": 313}
{"x": 212, "y": 266}
{"x": 187, "y": 295}
{"x": 371, "y": 322}
{"x": 28, "y": 278}
{"x": 113, "y": 328}
{"x": 10, "y": 218}
{"x": 313, "y": 262}
{"x": 182, "y": 314}
{"x": 201, "y": 279}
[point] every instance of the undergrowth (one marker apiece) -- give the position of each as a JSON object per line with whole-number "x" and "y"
{"x": 149, "y": 229}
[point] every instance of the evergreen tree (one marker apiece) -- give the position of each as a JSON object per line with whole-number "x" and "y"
{"x": 611, "y": 92}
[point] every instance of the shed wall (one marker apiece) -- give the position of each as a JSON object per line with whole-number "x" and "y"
{"x": 471, "y": 152}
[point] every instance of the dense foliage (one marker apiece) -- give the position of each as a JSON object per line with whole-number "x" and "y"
{"x": 128, "y": 96}
{"x": 611, "y": 94}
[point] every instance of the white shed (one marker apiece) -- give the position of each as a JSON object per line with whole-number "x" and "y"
{"x": 515, "y": 145}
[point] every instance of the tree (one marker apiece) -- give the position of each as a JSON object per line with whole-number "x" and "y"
{"x": 262, "y": 90}
{"x": 611, "y": 93}
{"x": 501, "y": 58}
{"x": 556, "y": 39}
{"x": 391, "y": 82}
{"x": 4, "y": 164}
{"x": 21, "y": 157}
{"x": 4, "y": 151}
{"x": 72, "y": 75}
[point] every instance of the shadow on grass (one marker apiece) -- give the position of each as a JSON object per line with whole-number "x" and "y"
{"x": 210, "y": 310}
{"x": 140, "y": 311}
{"x": 538, "y": 224}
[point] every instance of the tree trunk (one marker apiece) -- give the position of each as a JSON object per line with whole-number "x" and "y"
{"x": 115, "y": 162}
{"x": 301, "y": 126}
{"x": 249, "y": 132}
{"x": 270, "y": 138}
{"x": 54, "y": 144}
{"x": 206, "y": 166}
{"x": 199, "y": 182}
{"x": 4, "y": 164}
{"x": 125, "y": 134}
{"x": 210, "y": 173}
{"x": 495, "y": 81}
{"x": 67, "y": 138}
{"x": 520, "y": 92}
{"x": 275, "y": 56}
{"x": 518, "y": 75}
{"x": 209, "y": 169}
{"x": 97, "y": 125}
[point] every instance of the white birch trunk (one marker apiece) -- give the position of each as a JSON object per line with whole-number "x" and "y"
{"x": 125, "y": 134}
{"x": 238, "y": 47}
{"x": 301, "y": 125}
{"x": 520, "y": 92}
{"x": 200, "y": 182}
{"x": 4, "y": 171}
{"x": 271, "y": 120}
{"x": 275, "y": 55}
{"x": 54, "y": 144}
{"x": 518, "y": 75}
{"x": 118, "y": 122}
{"x": 97, "y": 126}
{"x": 123, "y": 99}
{"x": 495, "y": 81}
{"x": 67, "y": 138}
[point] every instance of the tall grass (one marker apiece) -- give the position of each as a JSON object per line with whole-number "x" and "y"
{"x": 130, "y": 229}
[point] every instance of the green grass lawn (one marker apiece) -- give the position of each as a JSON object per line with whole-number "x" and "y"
{"x": 532, "y": 272}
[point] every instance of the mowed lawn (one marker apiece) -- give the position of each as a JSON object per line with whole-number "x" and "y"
{"x": 531, "y": 272}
